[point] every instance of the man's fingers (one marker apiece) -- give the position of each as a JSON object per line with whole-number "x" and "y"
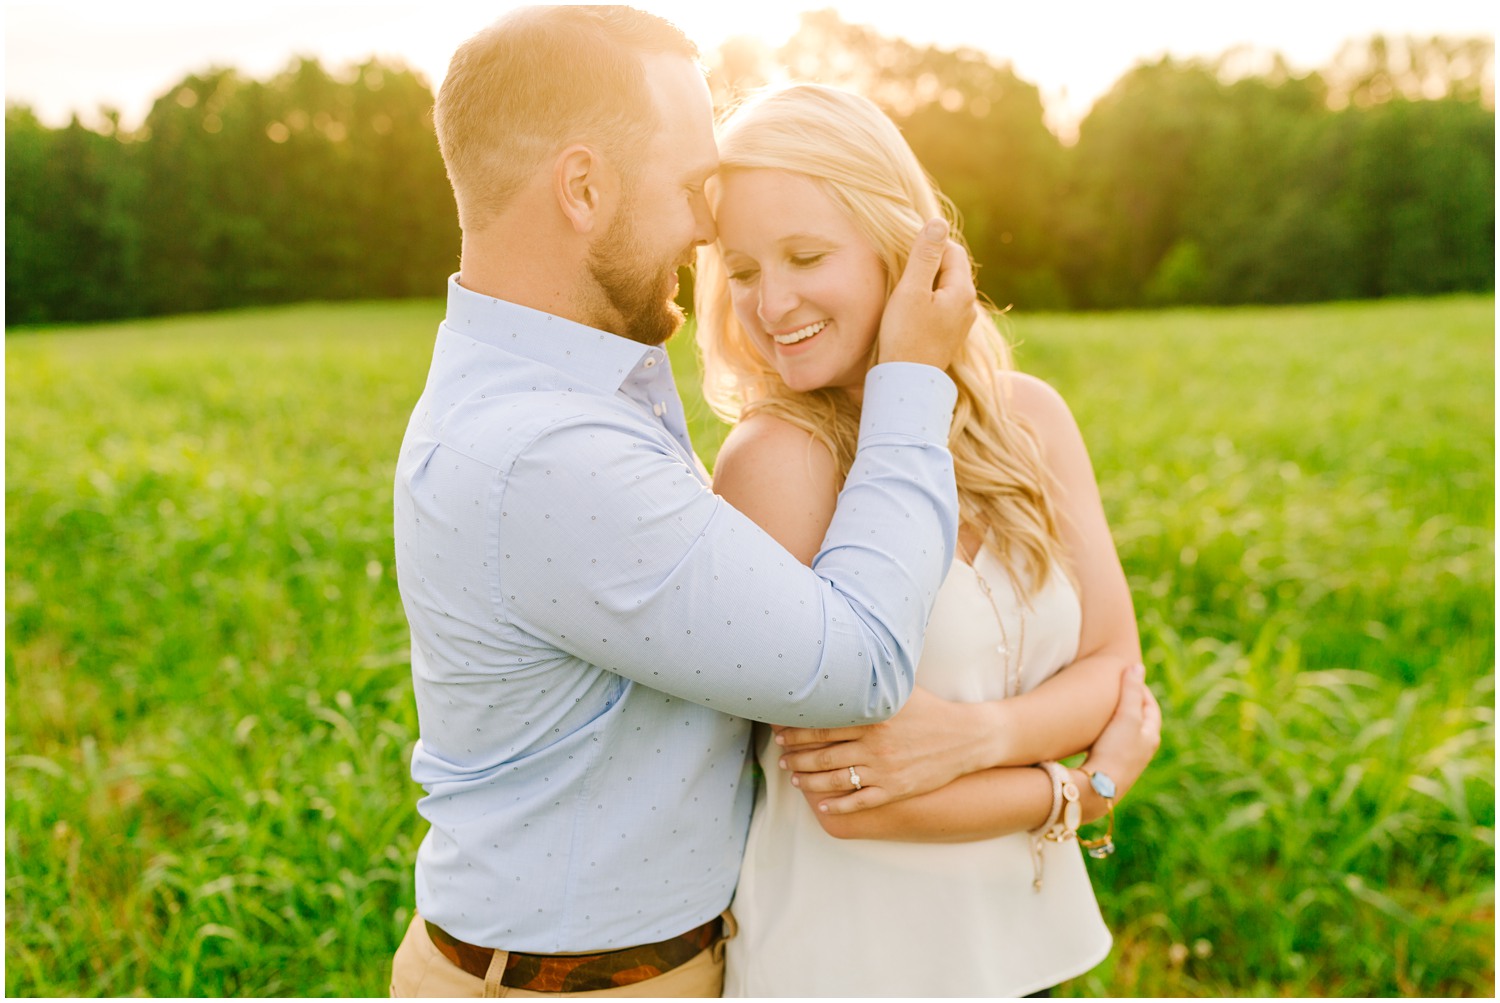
{"x": 954, "y": 276}
{"x": 927, "y": 254}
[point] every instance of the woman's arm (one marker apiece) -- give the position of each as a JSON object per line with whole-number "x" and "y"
{"x": 787, "y": 482}
{"x": 933, "y": 741}
{"x": 1066, "y": 713}
{"x": 1001, "y": 801}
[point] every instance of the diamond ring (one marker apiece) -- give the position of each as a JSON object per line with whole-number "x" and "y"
{"x": 854, "y": 778}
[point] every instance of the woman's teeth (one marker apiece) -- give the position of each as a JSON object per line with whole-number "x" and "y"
{"x": 799, "y": 335}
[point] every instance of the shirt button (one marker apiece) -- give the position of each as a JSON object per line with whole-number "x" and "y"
{"x": 650, "y": 361}
{"x": 658, "y": 409}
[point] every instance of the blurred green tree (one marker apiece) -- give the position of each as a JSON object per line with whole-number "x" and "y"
{"x": 71, "y": 236}
{"x": 233, "y": 192}
{"x": 1230, "y": 180}
{"x": 1190, "y": 184}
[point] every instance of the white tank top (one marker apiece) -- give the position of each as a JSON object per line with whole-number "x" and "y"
{"x": 820, "y": 916}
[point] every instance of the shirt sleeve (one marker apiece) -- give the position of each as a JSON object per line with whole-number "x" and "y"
{"x": 612, "y": 549}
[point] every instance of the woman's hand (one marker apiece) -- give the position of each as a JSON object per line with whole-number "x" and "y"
{"x": 1127, "y": 744}
{"x": 927, "y": 745}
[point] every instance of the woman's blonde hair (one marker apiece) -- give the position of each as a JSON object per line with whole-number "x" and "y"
{"x": 858, "y": 158}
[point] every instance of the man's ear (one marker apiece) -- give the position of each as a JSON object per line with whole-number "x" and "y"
{"x": 586, "y": 187}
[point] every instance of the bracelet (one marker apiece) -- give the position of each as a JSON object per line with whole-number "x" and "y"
{"x": 1064, "y": 806}
{"x": 1066, "y": 827}
{"x": 1105, "y": 787}
{"x": 1058, "y": 776}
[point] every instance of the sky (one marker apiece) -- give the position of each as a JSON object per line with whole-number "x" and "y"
{"x": 62, "y": 56}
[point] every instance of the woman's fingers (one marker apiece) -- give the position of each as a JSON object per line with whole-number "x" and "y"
{"x": 841, "y": 781}
{"x": 1130, "y": 740}
{"x": 1151, "y": 717}
{"x": 860, "y": 800}
{"x": 792, "y": 737}
{"x": 837, "y": 756}
{"x": 1132, "y": 692}
{"x": 850, "y": 789}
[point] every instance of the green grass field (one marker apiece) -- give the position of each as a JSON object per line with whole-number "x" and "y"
{"x": 209, "y": 716}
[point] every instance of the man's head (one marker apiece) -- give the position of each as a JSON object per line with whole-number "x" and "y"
{"x": 538, "y": 79}
{"x": 586, "y": 131}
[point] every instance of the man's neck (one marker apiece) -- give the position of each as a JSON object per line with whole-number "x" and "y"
{"x": 514, "y": 264}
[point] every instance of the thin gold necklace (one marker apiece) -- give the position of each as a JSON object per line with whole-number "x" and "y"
{"x": 1012, "y": 671}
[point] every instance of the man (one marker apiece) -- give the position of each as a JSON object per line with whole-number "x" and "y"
{"x": 591, "y": 626}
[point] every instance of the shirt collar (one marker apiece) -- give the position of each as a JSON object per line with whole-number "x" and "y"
{"x": 597, "y": 357}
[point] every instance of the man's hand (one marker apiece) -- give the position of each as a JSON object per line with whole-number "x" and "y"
{"x": 928, "y": 744}
{"x": 932, "y": 307}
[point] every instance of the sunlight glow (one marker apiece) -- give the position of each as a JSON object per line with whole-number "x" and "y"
{"x": 68, "y": 55}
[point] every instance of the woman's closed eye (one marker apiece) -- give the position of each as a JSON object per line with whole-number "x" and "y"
{"x": 740, "y": 276}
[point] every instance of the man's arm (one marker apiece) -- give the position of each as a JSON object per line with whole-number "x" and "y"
{"x": 663, "y": 583}
{"x": 648, "y": 574}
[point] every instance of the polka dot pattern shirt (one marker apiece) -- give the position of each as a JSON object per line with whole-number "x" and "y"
{"x": 592, "y": 627}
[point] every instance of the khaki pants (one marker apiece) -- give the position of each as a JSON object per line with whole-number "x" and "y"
{"x": 420, "y": 970}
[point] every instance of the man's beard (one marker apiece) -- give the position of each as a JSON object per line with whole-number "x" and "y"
{"x": 632, "y": 285}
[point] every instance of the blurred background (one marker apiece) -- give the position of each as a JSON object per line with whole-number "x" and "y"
{"x": 1252, "y": 246}
{"x": 222, "y": 155}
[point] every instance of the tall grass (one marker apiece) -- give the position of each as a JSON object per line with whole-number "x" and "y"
{"x": 209, "y": 713}
{"x": 1304, "y": 503}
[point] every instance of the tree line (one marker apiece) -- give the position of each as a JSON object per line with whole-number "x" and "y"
{"x": 1222, "y": 181}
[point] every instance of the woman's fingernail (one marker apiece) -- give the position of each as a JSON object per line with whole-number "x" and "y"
{"x": 781, "y": 763}
{"x": 936, "y": 229}
{"x": 780, "y": 739}
{"x": 795, "y": 781}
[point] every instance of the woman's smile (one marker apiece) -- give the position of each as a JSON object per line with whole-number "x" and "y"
{"x": 800, "y": 335}
{"x": 805, "y": 283}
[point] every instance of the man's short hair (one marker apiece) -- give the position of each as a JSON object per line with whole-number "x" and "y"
{"x": 537, "y": 80}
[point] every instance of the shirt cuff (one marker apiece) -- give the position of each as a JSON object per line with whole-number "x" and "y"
{"x": 908, "y": 399}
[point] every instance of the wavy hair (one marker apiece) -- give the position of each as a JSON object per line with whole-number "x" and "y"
{"x": 855, "y": 154}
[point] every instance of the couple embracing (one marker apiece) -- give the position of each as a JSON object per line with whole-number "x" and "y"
{"x": 644, "y": 693}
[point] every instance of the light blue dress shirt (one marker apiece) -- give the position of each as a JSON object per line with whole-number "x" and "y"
{"x": 592, "y": 626}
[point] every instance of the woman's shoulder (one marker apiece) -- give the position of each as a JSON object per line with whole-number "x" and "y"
{"x": 1037, "y": 401}
{"x": 764, "y": 441}
{"x": 783, "y": 478}
{"x": 1038, "y": 404}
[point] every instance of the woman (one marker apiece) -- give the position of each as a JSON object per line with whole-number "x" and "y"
{"x": 975, "y": 886}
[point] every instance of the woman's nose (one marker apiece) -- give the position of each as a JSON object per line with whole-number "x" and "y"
{"x": 777, "y": 299}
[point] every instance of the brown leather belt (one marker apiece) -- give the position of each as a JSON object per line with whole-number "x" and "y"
{"x": 579, "y": 973}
